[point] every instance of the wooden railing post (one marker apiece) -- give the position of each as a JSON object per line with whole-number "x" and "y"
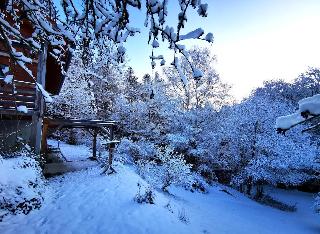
{"x": 37, "y": 117}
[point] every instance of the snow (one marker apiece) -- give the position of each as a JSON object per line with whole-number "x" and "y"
{"x": 23, "y": 109}
{"x": 8, "y": 79}
{"x": 310, "y": 105}
{"x": 209, "y": 37}
{"x": 121, "y": 49}
{"x": 286, "y": 122}
{"x": 11, "y": 173}
{"x": 202, "y": 10}
{"x": 183, "y": 77}
{"x": 21, "y": 185}
{"x": 195, "y": 34}
{"x": 45, "y": 94}
{"x": 71, "y": 152}
{"x": 88, "y": 202}
{"x": 163, "y": 62}
{"x": 197, "y": 73}
{"x": 155, "y": 43}
{"x": 5, "y": 70}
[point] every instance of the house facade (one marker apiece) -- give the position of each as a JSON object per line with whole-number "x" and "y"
{"x": 21, "y": 102}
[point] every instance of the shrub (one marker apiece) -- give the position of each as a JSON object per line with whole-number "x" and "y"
{"x": 131, "y": 152}
{"x": 21, "y": 185}
{"x": 270, "y": 201}
{"x": 147, "y": 196}
{"x": 182, "y": 215}
{"x": 170, "y": 168}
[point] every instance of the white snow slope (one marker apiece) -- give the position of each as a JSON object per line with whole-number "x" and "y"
{"x": 87, "y": 202}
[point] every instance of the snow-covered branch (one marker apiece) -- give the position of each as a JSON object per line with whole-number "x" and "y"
{"x": 309, "y": 108}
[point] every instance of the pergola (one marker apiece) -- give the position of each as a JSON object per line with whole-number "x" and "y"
{"x": 94, "y": 127}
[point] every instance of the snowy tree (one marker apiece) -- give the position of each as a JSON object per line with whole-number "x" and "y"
{"x": 142, "y": 116}
{"x": 253, "y": 150}
{"x": 204, "y": 90}
{"x": 132, "y": 88}
{"x": 90, "y": 25}
{"x": 307, "y": 113}
{"x": 76, "y": 99}
{"x": 307, "y": 83}
{"x": 107, "y": 79}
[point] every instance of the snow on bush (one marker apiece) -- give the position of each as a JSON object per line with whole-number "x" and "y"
{"x": 131, "y": 152}
{"x": 21, "y": 185}
{"x": 183, "y": 217}
{"x": 178, "y": 141}
{"x": 169, "y": 167}
{"x": 145, "y": 195}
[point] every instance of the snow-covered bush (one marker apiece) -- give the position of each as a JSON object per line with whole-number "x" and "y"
{"x": 167, "y": 169}
{"x": 21, "y": 185}
{"x": 198, "y": 184}
{"x": 131, "y": 152}
{"x": 145, "y": 195}
{"x": 182, "y": 215}
{"x": 207, "y": 172}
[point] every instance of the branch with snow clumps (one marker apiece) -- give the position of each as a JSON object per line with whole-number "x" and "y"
{"x": 309, "y": 108}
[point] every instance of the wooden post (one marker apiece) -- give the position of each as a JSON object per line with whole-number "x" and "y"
{"x": 39, "y": 105}
{"x": 111, "y": 147}
{"x": 108, "y": 168}
{"x": 94, "y": 145}
{"x": 44, "y": 144}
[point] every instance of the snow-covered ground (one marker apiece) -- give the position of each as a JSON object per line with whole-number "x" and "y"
{"x": 87, "y": 202}
{"x": 71, "y": 152}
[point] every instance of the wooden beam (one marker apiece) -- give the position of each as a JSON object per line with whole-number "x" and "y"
{"x": 76, "y": 123}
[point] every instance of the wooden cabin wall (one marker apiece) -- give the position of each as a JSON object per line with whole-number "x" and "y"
{"x": 11, "y": 128}
{"x": 14, "y": 124}
{"x": 45, "y": 71}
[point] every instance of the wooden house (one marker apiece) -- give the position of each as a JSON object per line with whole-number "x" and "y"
{"x": 23, "y": 92}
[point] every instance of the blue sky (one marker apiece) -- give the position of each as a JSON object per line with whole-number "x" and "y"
{"x": 255, "y": 40}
